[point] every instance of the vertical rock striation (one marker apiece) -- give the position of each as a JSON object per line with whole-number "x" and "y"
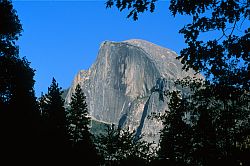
{"x": 126, "y": 84}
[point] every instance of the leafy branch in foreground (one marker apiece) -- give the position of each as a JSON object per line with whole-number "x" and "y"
{"x": 223, "y": 58}
{"x": 134, "y": 6}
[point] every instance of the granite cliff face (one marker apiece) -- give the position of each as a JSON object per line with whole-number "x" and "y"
{"x": 126, "y": 84}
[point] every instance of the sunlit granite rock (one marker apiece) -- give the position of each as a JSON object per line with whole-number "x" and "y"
{"x": 126, "y": 84}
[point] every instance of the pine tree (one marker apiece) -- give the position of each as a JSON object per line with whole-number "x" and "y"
{"x": 53, "y": 110}
{"x": 78, "y": 116}
{"x": 54, "y": 122}
{"x": 79, "y": 128}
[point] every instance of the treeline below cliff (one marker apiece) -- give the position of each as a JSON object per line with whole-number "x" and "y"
{"x": 208, "y": 126}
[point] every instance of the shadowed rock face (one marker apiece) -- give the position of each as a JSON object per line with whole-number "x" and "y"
{"x": 126, "y": 84}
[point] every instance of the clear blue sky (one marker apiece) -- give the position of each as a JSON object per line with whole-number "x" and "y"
{"x": 62, "y": 37}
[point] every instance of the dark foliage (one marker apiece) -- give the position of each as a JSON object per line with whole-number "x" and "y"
{"x": 79, "y": 129}
{"x": 223, "y": 59}
{"x": 211, "y": 129}
{"x": 120, "y": 147}
{"x": 54, "y": 127}
{"x": 134, "y": 6}
{"x": 10, "y": 29}
{"x": 209, "y": 126}
{"x": 217, "y": 113}
{"x": 175, "y": 142}
{"x": 19, "y": 117}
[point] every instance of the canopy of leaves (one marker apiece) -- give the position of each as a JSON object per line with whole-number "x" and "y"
{"x": 19, "y": 114}
{"x": 134, "y": 6}
{"x": 16, "y": 75}
{"x": 19, "y": 117}
{"x": 10, "y": 28}
{"x": 16, "y": 78}
{"x": 223, "y": 59}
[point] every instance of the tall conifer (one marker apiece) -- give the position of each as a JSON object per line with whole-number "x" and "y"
{"x": 54, "y": 123}
{"x": 79, "y": 128}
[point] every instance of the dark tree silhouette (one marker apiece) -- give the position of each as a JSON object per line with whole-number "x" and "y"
{"x": 107, "y": 144}
{"x": 121, "y": 147}
{"x": 19, "y": 116}
{"x": 78, "y": 116}
{"x": 54, "y": 133}
{"x": 221, "y": 106}
{"x": 134, "y": 6}
{"x": 18, "y": 108}
{"x": 223, "y": 58}
{"x": 175, "y": 141}
{"x": 10, "y": 29}
{"x": 79, "y": 129}
{"x": 210, "y": 129}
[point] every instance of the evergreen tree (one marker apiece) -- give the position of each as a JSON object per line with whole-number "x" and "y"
{"x": 54, "y": 123}
{"x": 53, "y": 111}
{"x": 78, "y": 116}
{"x": 107, "y": 144}
{"x": 201, "y": 129}
{"x": 79, "y": 128}
{"x": 121, "y": 147}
